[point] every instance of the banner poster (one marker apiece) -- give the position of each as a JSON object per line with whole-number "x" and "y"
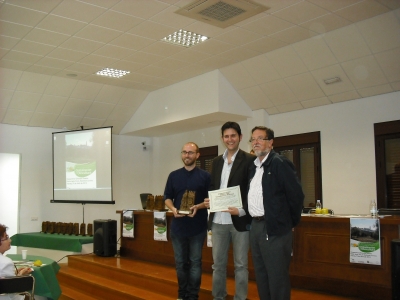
{"x": 128, "y": 224}
{"x": 160, "y": 226}
{"x": 365, "y": 245}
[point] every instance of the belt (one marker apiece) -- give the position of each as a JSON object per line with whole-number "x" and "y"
{"x": 259, "y": 218}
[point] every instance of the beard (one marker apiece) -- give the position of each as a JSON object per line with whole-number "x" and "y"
{"x": 261, "y": 153}
{"x": 188, "y": 162}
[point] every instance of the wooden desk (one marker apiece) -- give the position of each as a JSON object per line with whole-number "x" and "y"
{"x": 321, "y": 259}
{"x": 321, "y": 255}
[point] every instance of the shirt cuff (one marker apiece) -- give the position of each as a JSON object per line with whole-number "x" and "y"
{"x": 242, "y": 212}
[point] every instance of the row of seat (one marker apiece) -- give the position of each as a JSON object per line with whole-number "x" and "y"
{"x": 24, "y": 285}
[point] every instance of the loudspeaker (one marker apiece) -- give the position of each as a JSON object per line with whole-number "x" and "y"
{"x": 396, "y": 269}
{"x": 105, "y": 237}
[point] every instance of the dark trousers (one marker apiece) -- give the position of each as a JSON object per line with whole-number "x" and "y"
{"x": 188, "y": 254}
{"x": 271, "y": 260}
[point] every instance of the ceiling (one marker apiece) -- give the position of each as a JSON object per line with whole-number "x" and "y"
{"x": 276, "y": 60}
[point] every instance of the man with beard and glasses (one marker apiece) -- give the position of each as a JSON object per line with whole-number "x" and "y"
{"x": 229, "y": 170}
{"x": 275, "y": 202}
{"x": 188, "y": 231}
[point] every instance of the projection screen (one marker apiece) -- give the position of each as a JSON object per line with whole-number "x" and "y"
{"x": 82, "y": 168}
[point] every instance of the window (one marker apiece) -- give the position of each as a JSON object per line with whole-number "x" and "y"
{"x": 304, "y": 151}
{"x": 387, "y": 160}
{"x": 207, "y": 154}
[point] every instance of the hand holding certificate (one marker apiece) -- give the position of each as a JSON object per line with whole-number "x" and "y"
{"x": 221, "y": 199}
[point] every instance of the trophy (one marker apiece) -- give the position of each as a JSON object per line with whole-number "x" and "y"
{"x": 44, "y": 226}
{"x": 70, "y": 228}
{"x": 150, "y": 203}
{"x": 90, "y": 229}
{"x": 50, "y": 227}
{"x": 58, "y": 227}
{"x": 159, "y": 203}
{"x": 76, "y": 229}
{"x": 64, "y": 228}
{"x": 187, "y": 202}
{"x": 82, "y": 230}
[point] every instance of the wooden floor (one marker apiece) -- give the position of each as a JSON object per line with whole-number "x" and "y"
{"x": 296, "y": 295}
{"x": 88, "y": 277}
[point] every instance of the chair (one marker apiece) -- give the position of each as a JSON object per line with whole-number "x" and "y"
{"x": 24, "y": 285}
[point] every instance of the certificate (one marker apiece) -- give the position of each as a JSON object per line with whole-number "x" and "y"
{"x": 221, "y": 199}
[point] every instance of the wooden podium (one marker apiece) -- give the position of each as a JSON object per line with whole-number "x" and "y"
{"x": 321, "y": 255}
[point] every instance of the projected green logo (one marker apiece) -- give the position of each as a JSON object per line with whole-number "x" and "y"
{"x": 84, "y": 170}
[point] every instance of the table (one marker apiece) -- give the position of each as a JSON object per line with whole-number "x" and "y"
{"x": 51, "y": 241}
{"x": 46, "y": 283}
{"x": 55, "y": 246}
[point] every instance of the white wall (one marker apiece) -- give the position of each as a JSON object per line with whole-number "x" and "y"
{"x": 348, "y": 163}
{"x": 131, "y": 176}
{"x": 347, "y": 146}
{"x": 9, "y": 192}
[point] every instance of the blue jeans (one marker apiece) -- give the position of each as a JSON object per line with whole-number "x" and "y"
{"x": 271, "y": 260}
{"x": 188, "y": 253}
{"x": 222, "y": 235}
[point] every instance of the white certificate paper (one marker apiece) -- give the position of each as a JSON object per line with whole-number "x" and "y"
{"x": 221, "y": 199}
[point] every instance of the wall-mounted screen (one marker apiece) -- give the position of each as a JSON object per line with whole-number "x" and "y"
{"x": 82, "y": 166}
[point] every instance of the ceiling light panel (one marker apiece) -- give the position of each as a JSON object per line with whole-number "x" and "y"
{"x": 115, "y": 73}
{"x": 184, "y": 38}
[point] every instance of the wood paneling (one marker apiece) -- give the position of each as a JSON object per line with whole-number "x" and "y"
{"x": 321, "y": 255}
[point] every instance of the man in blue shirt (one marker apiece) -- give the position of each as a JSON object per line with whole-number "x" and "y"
{"x": 188, "y": 232}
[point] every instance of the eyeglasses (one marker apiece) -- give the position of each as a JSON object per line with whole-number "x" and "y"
{"x": 7, "y": 237}
{"x": 259, "y": 139}
{"x": 190, "y": 153}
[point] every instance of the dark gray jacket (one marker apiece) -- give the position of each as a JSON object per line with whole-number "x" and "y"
{"x": 282, "y": 193}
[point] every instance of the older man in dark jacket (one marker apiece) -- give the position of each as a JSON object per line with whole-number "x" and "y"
{"x": 275, "y": 202}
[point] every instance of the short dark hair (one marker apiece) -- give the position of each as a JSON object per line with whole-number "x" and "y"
{"x": 268, "y": 131}
{"x": 3, "y": 229}
{"x": 235, "y": 126}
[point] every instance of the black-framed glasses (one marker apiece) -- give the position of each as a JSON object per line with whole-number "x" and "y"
{"x": 7, "y": 237}
{"x": 188, "y": 152}
{"x": 259, "y": 139}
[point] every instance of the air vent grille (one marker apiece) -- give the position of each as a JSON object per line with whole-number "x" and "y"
{"x": 221, "y": 11}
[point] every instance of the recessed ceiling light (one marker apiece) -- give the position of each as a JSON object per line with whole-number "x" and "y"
{"x": 184, "y": 38}
{"x": 112, "y": 73}
{"x": 332, "y": 80}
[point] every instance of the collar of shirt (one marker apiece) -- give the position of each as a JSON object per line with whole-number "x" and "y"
{"x": 225, "y": 217}
{"x": 255, "y": 194}
{"x": 259, "y": 163}
{"x": 225, "y": 155}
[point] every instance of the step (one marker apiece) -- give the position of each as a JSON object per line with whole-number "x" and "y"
{"x": 102, "y": 288}
{"x": 139, "y": 273}
{"x": 142, "y": 273}
{"x": 155, "y": 277}
{"x": 72, "y": 294}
